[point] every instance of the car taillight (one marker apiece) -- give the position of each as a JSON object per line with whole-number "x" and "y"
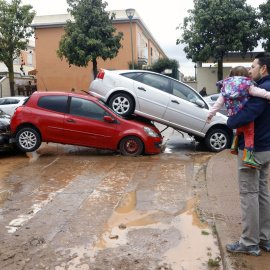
{"x": 101, "y": 74}
{"x": 18, "y": 109}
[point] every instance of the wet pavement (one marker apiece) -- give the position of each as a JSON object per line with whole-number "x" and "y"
{"x": 66, "y": 207}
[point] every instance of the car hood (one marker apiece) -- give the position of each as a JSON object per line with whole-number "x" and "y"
{"x": 140, "y": 121}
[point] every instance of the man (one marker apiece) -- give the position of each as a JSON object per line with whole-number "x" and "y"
{"x": 203, "y": 92}
{"x": 253, "y": 183}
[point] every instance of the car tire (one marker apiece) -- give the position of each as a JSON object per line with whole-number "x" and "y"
{"x": 122, "y": 104}
{"x": 217, "y": 140}
{"x": 28, "y": 139}
{"x": 131, "y": 146}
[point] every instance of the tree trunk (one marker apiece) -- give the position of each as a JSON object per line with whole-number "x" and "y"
{"x": 95, "y": 67}
{"x": 220, "y": 73}
{"x": 11, "y": 82}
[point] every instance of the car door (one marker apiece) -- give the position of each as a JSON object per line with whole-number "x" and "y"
{"x": 152, "y": 93}
{"x": 183, "y": 111}
{"x": 49, "y": 117}
{"x": 84, "y": 124}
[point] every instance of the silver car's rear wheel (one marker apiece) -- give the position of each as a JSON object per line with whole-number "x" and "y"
{"x": 122, "y": 104}
{"x": 217, "y": 140}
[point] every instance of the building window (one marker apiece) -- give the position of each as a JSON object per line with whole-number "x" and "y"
{"x": 30, "y": 59}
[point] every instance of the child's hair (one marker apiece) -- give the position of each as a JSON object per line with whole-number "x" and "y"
{"x": 239, "y": 71}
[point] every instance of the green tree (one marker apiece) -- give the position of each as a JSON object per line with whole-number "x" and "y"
{"x": 217, "y": 27}
{"x": 90, "y": 36}
{"x": 164, "y": 63}
{"x": 265, "y": 25}
{"x": 14, "y": 33}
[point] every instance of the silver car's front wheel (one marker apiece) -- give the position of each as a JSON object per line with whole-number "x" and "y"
{"x": 217, "y": 140}
{"x": 122, "y": 104}
{"x": 28, "y": 139}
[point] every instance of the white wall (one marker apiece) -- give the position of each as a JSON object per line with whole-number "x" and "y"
{"x": 207, "y": 77}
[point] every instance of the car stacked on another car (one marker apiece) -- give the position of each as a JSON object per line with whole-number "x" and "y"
{"x": 164, "y": 100}
{"x": 80, "y": 119}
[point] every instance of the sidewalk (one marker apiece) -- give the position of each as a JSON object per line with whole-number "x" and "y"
{"x": 222, "y": 187}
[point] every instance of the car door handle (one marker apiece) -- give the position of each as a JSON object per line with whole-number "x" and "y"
{"x": 141, "y": 88}
{"x": 175, "y": 101}
{"x": 71, "y": 121}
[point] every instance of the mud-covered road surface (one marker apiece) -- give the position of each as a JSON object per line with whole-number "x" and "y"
{"x": 66, "y": 207}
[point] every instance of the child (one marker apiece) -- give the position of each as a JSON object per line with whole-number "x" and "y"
{"x": 235, "y": 92}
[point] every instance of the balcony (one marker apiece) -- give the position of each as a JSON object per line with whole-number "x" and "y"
{"x": 142, "y": 55}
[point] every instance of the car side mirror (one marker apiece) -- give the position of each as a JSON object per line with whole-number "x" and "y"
{"x": 200, "y": 103}
{"x": 109, "y": 119}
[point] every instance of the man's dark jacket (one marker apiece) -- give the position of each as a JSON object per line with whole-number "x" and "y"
{"x": 256, "y": 110}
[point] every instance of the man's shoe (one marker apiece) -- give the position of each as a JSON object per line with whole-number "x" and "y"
{"x": 236, "y": 248}
{"x": 248, "y": 158}
{"x": 265, "y": 246}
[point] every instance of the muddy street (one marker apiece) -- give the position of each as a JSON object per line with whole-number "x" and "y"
{"x": 66, "y": 207}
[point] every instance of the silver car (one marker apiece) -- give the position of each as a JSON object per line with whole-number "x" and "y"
{"x": 211, "y": 99}
{"x": 164, "y": 100}
{"x": 9, "y": 104}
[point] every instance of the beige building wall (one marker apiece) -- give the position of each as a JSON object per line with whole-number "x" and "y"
{"x": 207, "y": 77}
{"x": 4, "y": 87}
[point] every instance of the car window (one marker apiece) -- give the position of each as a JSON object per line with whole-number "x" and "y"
{"x": 53, "y": 103}
{"x": 2, "y": 101}
{"x": 131, "y": 75}
{"x": 12, "y": 101}
{"x": 86, "y": 108}
{"x": 156, "y": 81}
{"x": 214, "y": 98}
{"x": 182, "y": 91}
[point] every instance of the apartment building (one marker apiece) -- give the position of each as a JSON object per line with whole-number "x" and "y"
{"x": 56, "y": 75}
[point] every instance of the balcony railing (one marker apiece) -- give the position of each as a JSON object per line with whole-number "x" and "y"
{"x": 142, "y": 55}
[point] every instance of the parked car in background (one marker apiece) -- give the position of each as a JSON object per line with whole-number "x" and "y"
{"x": 164, "y": 100}
{"x": 5, "y": 133}
{"x": 80, "y": 119}
{"x": 9, "y": 104}
{"x": 211, "y": 99}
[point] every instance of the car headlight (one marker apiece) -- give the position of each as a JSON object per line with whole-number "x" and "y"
{"x": 150, "y": 132}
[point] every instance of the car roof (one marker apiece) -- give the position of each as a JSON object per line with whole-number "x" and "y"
{"x": 121, "y": 71}
{"x": 58, "y": 93}
{"x": 15, "y": 97}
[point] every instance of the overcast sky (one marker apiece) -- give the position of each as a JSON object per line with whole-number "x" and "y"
{"x": 160, "y": 19}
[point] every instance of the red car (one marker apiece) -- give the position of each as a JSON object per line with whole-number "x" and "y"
{"x": 80, "y": 119}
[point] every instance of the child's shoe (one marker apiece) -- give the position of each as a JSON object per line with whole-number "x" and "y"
{"x": 234, "y": 147}
{"x": 248, "y": 158}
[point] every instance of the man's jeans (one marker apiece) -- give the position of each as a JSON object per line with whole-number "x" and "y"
{"x": 255, "y": 200}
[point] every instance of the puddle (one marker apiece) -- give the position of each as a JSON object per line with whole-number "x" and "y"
{"x": 192, "y": 251}
{"x": 125, "y": 213}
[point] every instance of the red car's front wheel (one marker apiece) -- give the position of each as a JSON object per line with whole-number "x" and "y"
{"x": 131, "y": 146}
